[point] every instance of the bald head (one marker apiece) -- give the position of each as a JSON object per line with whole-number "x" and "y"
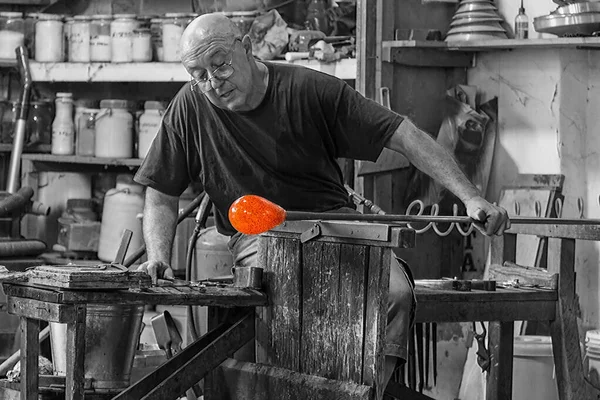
{"x": 207, "y": 30}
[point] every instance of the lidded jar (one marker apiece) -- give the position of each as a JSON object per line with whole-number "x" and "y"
{"x": 149, "y": 123}
{"x": 49, "y": 38}
{"x": 121, "y": 33}
{"x": 79, "y": 39}
{"x": 173, "y": 26}
{"x": 114, "y": 129}
{"x": 12, "y": 33}
{"x": 100, "y": 43}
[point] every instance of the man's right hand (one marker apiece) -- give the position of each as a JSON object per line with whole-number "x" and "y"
{"x": 157, "y": 270}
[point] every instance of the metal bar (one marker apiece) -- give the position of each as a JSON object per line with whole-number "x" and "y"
{"x": 401, "y": 218}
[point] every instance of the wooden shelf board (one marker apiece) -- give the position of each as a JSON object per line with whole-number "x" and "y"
{"x": 499, "y": 44}
{"x": 153, "y": 71}
{"x": 51, "y": 158}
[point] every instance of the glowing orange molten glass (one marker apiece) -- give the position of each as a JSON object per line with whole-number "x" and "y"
{"x": 251, "y": 214}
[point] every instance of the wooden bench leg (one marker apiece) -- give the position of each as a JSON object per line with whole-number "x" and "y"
{"x": 76, "y": 356}
{"x": 30, "y": 349}
{"x": 499, "y": 380}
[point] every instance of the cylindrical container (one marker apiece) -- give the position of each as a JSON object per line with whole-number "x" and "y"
{"x": 85, "y": 127}
{"x": 12, "y": 33}
{"x": 49, "y": 40}
{"x": 120, "y": 210}
{"x": 156, "y": 34}
{"x": 100, "y": 49}
{"x": 114, "y": 129}
{"x": 533, "y": 371}
{"x": 172, "y": 28}
{"x": 592, "y": 356}
{"x": 111, "y": 338}
{"x": 149, "y": 123}
{"x": 212, "y": 258}
{"x": 79, "y": 39}
{"x": 142, "y": 45}
{"x": 39, "y": 123}
{"x": 243, "y": 20}
{"x": 30, "y": 21}
{"x": 63, "y": 129}
{"x": 121, "y": 36}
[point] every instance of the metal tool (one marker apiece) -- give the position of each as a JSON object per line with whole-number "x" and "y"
{"x": 167, "y": 335}
{"x": 483, "y": 354}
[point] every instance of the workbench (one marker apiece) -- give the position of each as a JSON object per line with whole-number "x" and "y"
{"x": 33, "y": 303}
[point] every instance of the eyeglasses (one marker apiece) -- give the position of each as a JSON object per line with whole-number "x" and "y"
{"x": 222, "y": 72}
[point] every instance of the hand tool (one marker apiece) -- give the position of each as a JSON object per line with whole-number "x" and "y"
{"x": 483, "y": 355}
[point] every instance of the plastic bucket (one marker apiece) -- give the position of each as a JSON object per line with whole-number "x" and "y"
{"x": 533, "y": 369}
{"x": 592, "y": 355}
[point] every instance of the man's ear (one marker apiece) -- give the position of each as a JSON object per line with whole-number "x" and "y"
{"x": 247, "y": 43}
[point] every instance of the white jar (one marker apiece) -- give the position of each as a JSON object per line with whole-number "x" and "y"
{"x": 114, "y": 129}
{"x": 79, "y": 39}
{"x": 49, "y": 39}
{"x": 12, "y": 33}
{"x": 149, "y": 123}
{"x": 63, "y": 129}
{"x": 142, "y": 45}
{"x": 121, "y": 37}
{"x": 100, "y": 38}
{"x": 172, "y": 28}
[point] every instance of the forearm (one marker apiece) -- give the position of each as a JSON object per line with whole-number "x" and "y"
{"x": 160, "y": 222}
{"x": 431, "y": 158}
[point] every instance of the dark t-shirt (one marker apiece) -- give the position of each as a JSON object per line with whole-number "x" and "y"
{"x": 285, "y": 150}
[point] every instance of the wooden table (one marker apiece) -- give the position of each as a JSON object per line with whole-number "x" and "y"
{"x": 33, "y": 303}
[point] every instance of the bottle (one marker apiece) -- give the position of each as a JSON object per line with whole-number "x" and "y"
{"x": 63, "y": 129}
{"x": 521, "y": 24}
{"x": 316, "y": 16}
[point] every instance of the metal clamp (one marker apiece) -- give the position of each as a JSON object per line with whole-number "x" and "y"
{"x": 310, "y": 234}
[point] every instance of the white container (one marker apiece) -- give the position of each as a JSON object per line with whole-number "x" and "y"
{"x": 12, "y": 33}
{"x": 63, "y": 129}
{"x": 142, "y": 45}
{"x": 100, "y": 49}
{"x": 149, "y": 123}
{"x": 114, "y": 129}
{"x": 79, "y": 39}
{"x": 120, "y": 210}
{"x": 121, "y": 37}
{"x": 49, "y": 39}
{"x": 85, "y": 128}
{"x": 533, "y": 369}
{"x": 172, "y": 28}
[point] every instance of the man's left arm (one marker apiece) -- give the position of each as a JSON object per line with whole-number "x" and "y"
{"x": 434, "y": 160}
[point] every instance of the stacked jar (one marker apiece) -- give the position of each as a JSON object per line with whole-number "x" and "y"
{"x": 142, "y": 45}
{"x": 12, "y": 33}
{"x": 149, "y": 123}
{"x": 100, "y": 40}
{"x": 79, "y": 39}
{"x": 49, "y": 38}
{"x": 121, "y": 32}
{"x": 114, "y": 129}
{"x": 172, "y": 28}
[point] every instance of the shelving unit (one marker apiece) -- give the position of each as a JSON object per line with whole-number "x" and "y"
{"x": 152, "y": 72}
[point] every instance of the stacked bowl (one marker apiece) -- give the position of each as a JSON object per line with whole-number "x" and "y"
{"x": 476, "y": 20}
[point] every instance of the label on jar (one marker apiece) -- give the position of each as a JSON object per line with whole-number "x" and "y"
{"x": 100, "y": 48}
{"x": 62, "y": 139}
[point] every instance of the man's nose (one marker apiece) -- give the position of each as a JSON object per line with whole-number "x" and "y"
{"x": 216, "y": 82}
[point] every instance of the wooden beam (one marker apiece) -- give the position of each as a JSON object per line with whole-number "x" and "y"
{"x": 414, "y": 57}
{"x": 30, "y": 349}
{"x": 250, "y": 381}
{"x": 41, "y": 310}
{"x": 500, "y": 343}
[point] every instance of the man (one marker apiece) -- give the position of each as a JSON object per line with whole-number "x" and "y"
{"x": 244, "y": 126}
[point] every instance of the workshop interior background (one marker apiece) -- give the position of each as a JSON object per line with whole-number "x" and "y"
{"x": 546, "y": 124}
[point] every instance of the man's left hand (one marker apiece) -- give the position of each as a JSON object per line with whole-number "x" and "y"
{"x": 489, "y": 218}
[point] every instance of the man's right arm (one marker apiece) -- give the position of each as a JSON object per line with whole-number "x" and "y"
{"x": 159, "y": 224}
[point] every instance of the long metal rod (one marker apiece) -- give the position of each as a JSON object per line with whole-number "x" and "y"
{"x": 401, "y": 218}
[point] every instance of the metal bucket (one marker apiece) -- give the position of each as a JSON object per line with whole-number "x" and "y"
{"x": 111, "y": 339}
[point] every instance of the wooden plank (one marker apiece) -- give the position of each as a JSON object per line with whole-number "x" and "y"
{"x": 500, "y": 376}
{"x": 500, "y": 44}
{"x": 351, "y": 311}
{"x": 75, "y": 381}
{"x": 495, "y": 310}
{"x": 378, "y": 279}
{"x": 367, "y": 33}
{"x": 568, "y": 231}
{"x": 501, "y": 295}
{"x": 416, "y": 57}
{"x": 537, "y": 277}
{"x": 52, "y": 158}
{"x": 36, "y": 309}
{"x": 570, "y": 377}
{"x": 30, "y": 350}
{"x": 320, "y": 285}
{"x": 249, "y": 381}
{"x": 279, "y": 325}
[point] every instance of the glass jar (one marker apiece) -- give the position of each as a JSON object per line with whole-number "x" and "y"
{"x": 39, "y": 123}
{"x": 156, "y": 33}
{"x": 79, "y": 39}
{"x": 149, "y": 124}
{"x": 12, "y": 33}
{"x": 30, "y": 21}
{"x": 9, "y": 115}
{"x": 172, "y": 28}
{"x": 243, "y": 20}
{"x": 121, "y": 36}
{"x": 85, "y": 132}
{"x": 142, "y": 45}
{"x": 49, "y": 38}
{"x": 100, "y": 38}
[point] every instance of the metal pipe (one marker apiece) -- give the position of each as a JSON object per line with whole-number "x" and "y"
{"x": 21, "y": 120}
